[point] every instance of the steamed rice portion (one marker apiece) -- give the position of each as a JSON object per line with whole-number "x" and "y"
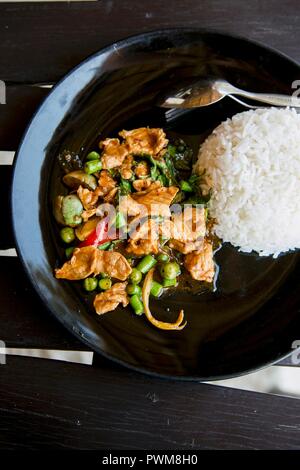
{"x": 252, "y": 166}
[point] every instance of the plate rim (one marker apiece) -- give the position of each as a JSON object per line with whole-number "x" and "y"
{"x": 128, "y": 41}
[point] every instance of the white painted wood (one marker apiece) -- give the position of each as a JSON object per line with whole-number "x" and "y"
{"x": 9, "y": 252}
{"x": 6, "y": 158}
{"x": 80, "y": 357}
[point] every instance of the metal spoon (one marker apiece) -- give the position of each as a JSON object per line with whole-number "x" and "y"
{"x": 209, "y": 91}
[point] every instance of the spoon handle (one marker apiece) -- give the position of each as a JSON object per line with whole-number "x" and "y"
{"x": 270, "y": 98}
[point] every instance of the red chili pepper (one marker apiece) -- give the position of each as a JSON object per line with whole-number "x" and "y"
{"x": 99, "y": 236}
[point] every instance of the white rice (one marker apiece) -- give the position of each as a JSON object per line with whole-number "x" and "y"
{"x": 252, "y": 165}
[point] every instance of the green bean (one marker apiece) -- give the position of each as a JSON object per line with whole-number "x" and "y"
{"x": 113, "y": 172}
{"x": 105, "y": 283}
{"x": 119, "y": 220}
{"x": 90, "y": 284}
{"x": 92, "y": 166}
{"x": 163, "y": 258}
{"x": 69, "y": 251}
{"x": 172, "y": 150}
{"x": 136, "y": 304}
{"x": 103, "y": 275}
{"x": 135, "y": 276}
{"x": 169, "y": 282}
{"x": 170, "y": 270}
{"x": 156, "y": 289}
{"x": 194, "y": 179}
{"x": 104, "y": 246}
{"x": 134, "y": 289}
{"x": 163, "y": 180}
{"x": 67, "y": 234}
{"x": 185, "y": 186}
{"x": 154, "y": 173}
{"x": 125, "y": 186}
{"x": 92, "y": 156}
{"x": 146, "y": 264}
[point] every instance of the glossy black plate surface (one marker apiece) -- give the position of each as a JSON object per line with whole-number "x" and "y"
{"x": 253, "y": 317}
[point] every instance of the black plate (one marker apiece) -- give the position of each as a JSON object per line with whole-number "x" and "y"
{"x": 253, "y": 317}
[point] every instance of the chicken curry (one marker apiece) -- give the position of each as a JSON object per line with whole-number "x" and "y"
{"x": 134, "y": 221}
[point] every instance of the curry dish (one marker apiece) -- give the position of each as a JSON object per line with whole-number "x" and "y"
{"x": 134, "y": 222}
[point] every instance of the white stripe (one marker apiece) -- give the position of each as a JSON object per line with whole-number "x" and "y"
{"x": 6, "y": 157}
{"x": 80, "y": 357}
{"x": 44, "y": 86}
{"x": 9, "y": 252}
{"x": 283, "y": 380}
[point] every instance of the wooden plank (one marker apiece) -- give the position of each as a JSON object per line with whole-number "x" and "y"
{"x": 78, "y": 29}
{"x": 46, "y": 1}
{"x": 25, "y": 322}
{"x": 35, "y": 23}
{"x": 21, "y": 103}
{"x": 45, "y": 405}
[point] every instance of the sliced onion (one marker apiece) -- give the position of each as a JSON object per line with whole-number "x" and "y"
{"x": 159, "y": 324}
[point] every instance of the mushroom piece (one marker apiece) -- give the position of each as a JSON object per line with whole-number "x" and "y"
{"x": 79, "y": 178}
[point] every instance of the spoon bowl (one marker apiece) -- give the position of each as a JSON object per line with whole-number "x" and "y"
{"x": 209, "y": 91}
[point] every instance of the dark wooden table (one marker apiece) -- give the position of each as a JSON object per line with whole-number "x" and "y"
{"x": 50, "y": 404}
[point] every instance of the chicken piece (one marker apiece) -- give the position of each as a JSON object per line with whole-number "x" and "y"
{"x": 145, "y": 140}
{"x": 185, "y": 230}
{"x": 156, "y": 199}
{"x": 113, "y": 153}
{"x": 161, "y": 154}
{"x": 114, "y": 264}
{"x": 165, "y": 227}
{"x": 148, "y": 202}
{"x": 88, "y": 198}
{"x": 142, "y": 247}
{"x": 153, "y": 185}
{"x": 139, "y": 228}
{"x": 88, "y": 260}
{"x": 142, "y": 169}
{"x": 185, "y": 247}
{"x": 156, "y": 195}
{"x": 129, "y": 206}
{"x": 126, "y": 168}
{"x": 144, "y": 237}
{"x": 105, "y": 182}
{"x": 87, "y": 214}
{"x": 111, "y": 195}
{"x": 141, "y": 185}
{"x": 200, "y": 263}
{"x": 82, "y": 264}
{"x": 111, "y": 298}
{"x": 189, "y": 225}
